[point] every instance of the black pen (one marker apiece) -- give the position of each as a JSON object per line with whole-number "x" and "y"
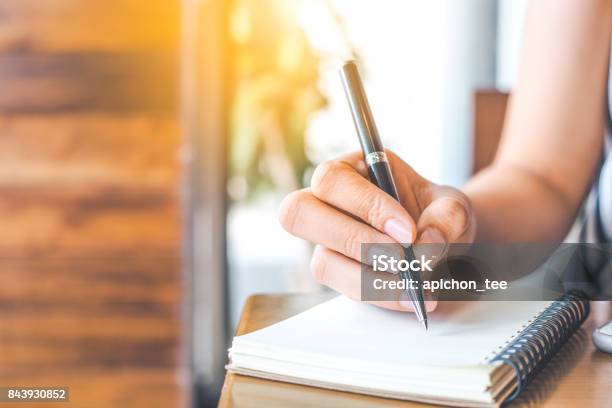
{"x": 378, "y": 166}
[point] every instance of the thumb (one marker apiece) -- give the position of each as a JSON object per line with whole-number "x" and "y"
{"x": 447, "y": 218}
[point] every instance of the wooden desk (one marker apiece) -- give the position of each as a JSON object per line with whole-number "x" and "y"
{"x": 580, "y": 376}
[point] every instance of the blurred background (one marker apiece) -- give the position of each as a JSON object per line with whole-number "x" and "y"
{"x": 423, "y": 63}
{"x": 428, "y": 66}
{"x": 145, "y": 148}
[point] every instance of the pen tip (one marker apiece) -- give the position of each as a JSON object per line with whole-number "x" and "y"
{"x": 424, "y": 321}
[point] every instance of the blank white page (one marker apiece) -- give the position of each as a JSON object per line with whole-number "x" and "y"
{"x": 461, "y": 334}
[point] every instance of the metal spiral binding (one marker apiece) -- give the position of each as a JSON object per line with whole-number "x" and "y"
{"x": 541, "y": 339}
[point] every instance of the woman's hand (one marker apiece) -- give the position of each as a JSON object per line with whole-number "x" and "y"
{"x": 342, "y": 209}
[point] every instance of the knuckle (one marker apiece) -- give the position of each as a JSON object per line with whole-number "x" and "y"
{"x": 375, "y": 208}
{"x": 352, "y": 244}
{"x": 318, "y": 264}
{"x": 290, "y": 209}
{"x": 323, "y": 178}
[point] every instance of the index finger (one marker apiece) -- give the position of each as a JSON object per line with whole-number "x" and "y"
{"x": 341, "y": 184}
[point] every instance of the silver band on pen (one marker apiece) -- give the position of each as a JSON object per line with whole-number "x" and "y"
{"x": 375, "y": 157}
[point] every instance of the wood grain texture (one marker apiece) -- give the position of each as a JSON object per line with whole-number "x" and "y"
{"x": 54, "y": 318}
{"x": 489, "y": 116}
{"x": 91, "y": 272}
{"x": 90, "y": 221}
{"x": 73, "y": 182}
{"x": 35, "y": 82}
{"x": 129, "y": 387}
{"x": 89, "y": 25}
{"x": 130, "y": 151}
{"x": 578, "y": 376}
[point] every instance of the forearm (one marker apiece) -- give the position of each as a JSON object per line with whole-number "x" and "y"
{"x": 512, "y": 205}
{"x": 554, "y": 128}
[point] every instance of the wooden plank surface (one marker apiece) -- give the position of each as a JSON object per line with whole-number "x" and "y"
{"x": 578, "y": 376}
{"x": 67, "y": 150}
{"x": 89, "y": 221}
{"x": 89, "y": 25}
{"x": 40, "y": 82}
{"x": 91, "y": 272}
{"x": 98, "y": 314}
{"x": 126, "y": 387}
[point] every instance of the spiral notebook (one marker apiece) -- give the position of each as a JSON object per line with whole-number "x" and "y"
{"x": 475, "y": 353}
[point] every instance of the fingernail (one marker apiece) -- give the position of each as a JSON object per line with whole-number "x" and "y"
{"x": 399, "y": 231}
{"x": 390, "y": 250}
{"x": 432, "y": 236}
{"x": 361, "y": 166}
{"x": 430, "y": 305}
